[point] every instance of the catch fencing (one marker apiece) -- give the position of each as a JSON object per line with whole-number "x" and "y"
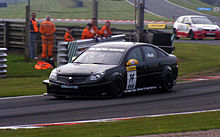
{"x": 12, "y": 34}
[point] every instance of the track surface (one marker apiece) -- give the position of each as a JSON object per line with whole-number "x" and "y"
{"x": 203, "y": 95}
{"x": 168, "y": 10}
{"x": 185, "y": 97}
{"x": 204, "y": 41}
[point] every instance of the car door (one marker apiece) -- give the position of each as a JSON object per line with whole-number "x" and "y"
{"x": 134, "y": 77}
{"x": 178, "y": 23}
{"x": 152, "y": 66}
{"x": 186, "y": 25}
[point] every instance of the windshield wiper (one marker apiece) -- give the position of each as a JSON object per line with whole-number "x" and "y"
{"x": 79, "y": 62}
{"x": 97, "y": 63}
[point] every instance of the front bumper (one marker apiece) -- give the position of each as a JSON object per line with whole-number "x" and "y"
{"x": 206, "y": 34}
{"x": 89, "y": 89}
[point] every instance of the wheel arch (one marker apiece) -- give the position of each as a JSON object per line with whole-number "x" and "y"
{"x": 165, "y": 69}
{"x": 120, "y": 75}
{"x": 115, "y": 77}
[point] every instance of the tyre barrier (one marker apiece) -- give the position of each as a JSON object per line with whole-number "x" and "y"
{"x": 3, "y": 60}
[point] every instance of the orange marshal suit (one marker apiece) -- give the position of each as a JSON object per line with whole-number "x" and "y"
{"x": 47, "y": 29}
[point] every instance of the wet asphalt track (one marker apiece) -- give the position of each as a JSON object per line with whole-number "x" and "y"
{"x": 185, "y": 97}
{"x": 168, "y": 10}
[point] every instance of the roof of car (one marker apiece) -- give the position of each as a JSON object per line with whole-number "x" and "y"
{"x": 123, "y": 45}
{"x": 193, "y": 16}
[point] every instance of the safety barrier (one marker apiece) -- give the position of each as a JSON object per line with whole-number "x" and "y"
{"x": 66, "y": 50}
{"x": 3, "y": 60}
{"x": 12, "y": 34}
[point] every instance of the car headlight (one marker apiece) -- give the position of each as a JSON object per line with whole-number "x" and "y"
{"x": 53, "y": 75}
{"x": 96, "y": 76}
{"x": 198, "y": 29}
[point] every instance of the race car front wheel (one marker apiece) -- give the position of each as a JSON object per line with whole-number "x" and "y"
{"x": 191, "y": 35}
{"x": 167, "y": 82}
{"x": 117, "y": 87}
{"x": 175, "y": 34}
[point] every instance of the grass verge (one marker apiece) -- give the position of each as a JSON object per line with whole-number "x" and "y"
{"x": 197, "y": 59}
{"x": 194, "y": 4}
{"x": 134, "y": 127}
{"x": 66, "y": 9}
{"x": 23, "y": 78}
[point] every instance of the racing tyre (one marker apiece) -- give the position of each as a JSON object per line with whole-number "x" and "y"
{"x": 117, "y": 87}
{"x": 167, "y": 82}
{"x": 175, "y": 34}
{"x": 191, "y": 35}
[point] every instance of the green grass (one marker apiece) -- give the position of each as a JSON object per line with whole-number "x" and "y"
{"x": 194, "y": 4}
{"x": 134, "y": 127}
{"x": 197, "y": 59}
{"x": 11, "y": 87}
{"x": 22, "y": 78}
{"x": 65, "y": 9}
{"x": 18, "y": 68}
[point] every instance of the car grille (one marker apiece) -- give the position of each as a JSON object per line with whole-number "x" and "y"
{"x": 209, "y": 30}
{"x": 207, "y": 35}
{"x": 71, "y": 79}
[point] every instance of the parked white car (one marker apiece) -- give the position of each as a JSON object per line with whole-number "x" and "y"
{"x": 195, "y": 27}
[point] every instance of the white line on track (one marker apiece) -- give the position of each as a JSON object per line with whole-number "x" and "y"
{"x": 99, "y": 120}
{"x": 185, "y": 8}
{"x": 145, "y": 10}
{"x": 31, "y": 96}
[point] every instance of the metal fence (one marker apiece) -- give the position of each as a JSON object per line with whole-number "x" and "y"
{"x": 12, "y": 34}
{"x": 3, "y": 60}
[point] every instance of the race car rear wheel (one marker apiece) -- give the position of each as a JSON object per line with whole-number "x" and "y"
{"x": 191, "y": 35}
{"x": 167, "y": 82}
{"x": 175, "y": 34}
{"x": 117, "y": 87}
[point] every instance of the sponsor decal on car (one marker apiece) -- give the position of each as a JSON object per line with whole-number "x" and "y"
{"x": 139, "y": 89}
{"x": 131, "y": 77}
{"x": 69, "y": 87}
{"x": 107, "y": 49}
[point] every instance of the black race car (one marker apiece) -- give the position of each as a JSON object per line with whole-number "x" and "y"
{"x": 114, "y": 68}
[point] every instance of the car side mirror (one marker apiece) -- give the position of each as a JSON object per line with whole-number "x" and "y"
{"x": 132, "y": 62}
{"x": 73, "y": 58}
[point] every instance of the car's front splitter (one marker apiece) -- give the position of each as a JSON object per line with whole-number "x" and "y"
{"x": 89, "y": 89}
{"x": 206, "y": 34}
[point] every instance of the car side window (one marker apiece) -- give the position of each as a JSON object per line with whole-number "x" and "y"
{"x": 180, "y": 19}
{"x": 160, "y": 53}
{"x": 186, "y": 20}
{"x": 135, "y": 54}
{"x": 149, "y": 53}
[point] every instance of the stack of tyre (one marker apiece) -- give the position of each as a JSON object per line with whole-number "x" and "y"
{"x": 3, "y": 60}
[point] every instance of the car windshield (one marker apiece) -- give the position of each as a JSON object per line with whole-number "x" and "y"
{"x": 108, "y": 56}
{"x": 201, "y": 20}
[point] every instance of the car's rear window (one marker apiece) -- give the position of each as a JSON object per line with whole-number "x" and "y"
{"x": 108, "y": 56}
{"x": 201, "y": 20}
